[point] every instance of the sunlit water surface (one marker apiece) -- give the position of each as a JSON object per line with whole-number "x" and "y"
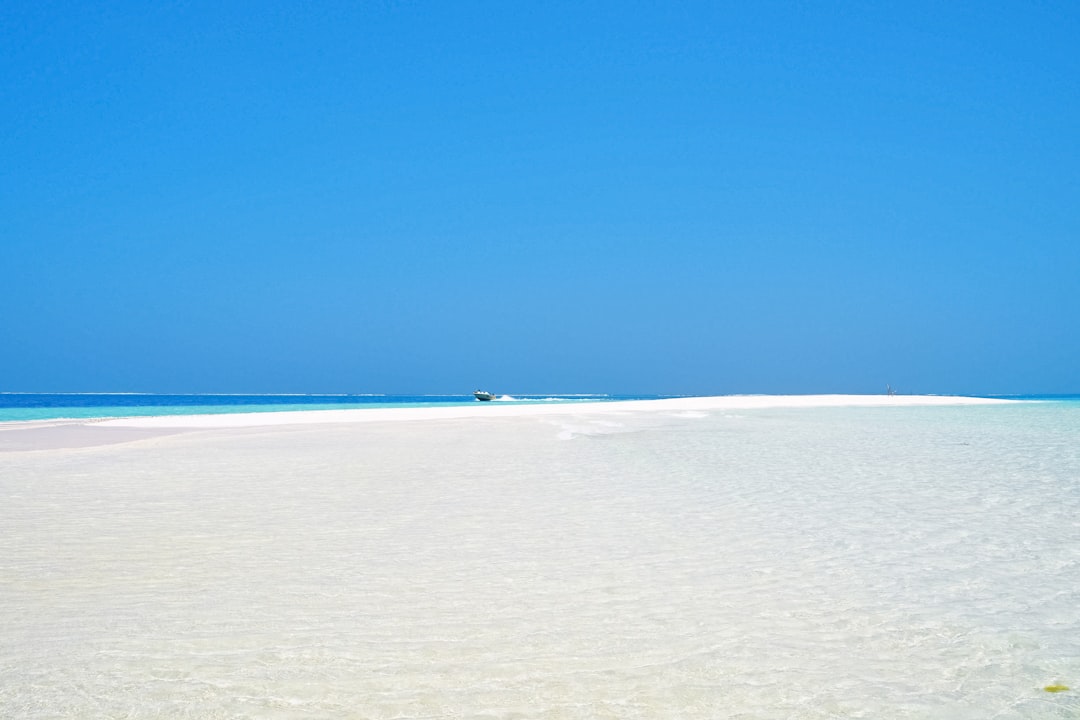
{"x": 831, "y": 563}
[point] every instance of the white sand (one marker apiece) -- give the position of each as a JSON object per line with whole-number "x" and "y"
{"x": 690, "y": 558}
{"x": 498, "y": 409}
{"x": 90, "y": 432}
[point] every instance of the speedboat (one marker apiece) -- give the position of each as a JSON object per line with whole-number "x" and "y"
{"x": 481, "y": 395}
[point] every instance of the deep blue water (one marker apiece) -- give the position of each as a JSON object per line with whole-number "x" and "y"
{"x": 51, "y": 406}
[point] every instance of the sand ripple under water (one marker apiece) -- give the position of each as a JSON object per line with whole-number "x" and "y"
{"x": 777, "y": 563}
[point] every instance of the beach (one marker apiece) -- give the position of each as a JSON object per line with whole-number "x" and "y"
{"x": 728, "y": 557}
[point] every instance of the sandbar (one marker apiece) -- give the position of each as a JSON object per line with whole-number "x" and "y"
{"x": 500, "y": 409}
{"x": 43, "y": 435}
{"x": 691, "y": 557}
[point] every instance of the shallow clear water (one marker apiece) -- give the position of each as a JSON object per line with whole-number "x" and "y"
{"x": 845, "y": 562}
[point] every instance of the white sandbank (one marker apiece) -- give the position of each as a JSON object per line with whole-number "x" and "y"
{"x": 694, "y": 558}
{"x": 498, "y": 409}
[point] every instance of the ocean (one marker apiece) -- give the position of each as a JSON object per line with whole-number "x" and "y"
{"x": 831, "y": 562}
{"x": 15, "y": 407}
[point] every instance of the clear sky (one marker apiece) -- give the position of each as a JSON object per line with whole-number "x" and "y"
{"x": 638, "y": 197}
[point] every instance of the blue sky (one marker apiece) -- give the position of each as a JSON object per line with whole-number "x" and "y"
{"x": 572, "y": 197}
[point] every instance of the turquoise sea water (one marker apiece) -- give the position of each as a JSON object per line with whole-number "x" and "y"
{"x": 15, "y": 407}
{"x": 21, "y": 407}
